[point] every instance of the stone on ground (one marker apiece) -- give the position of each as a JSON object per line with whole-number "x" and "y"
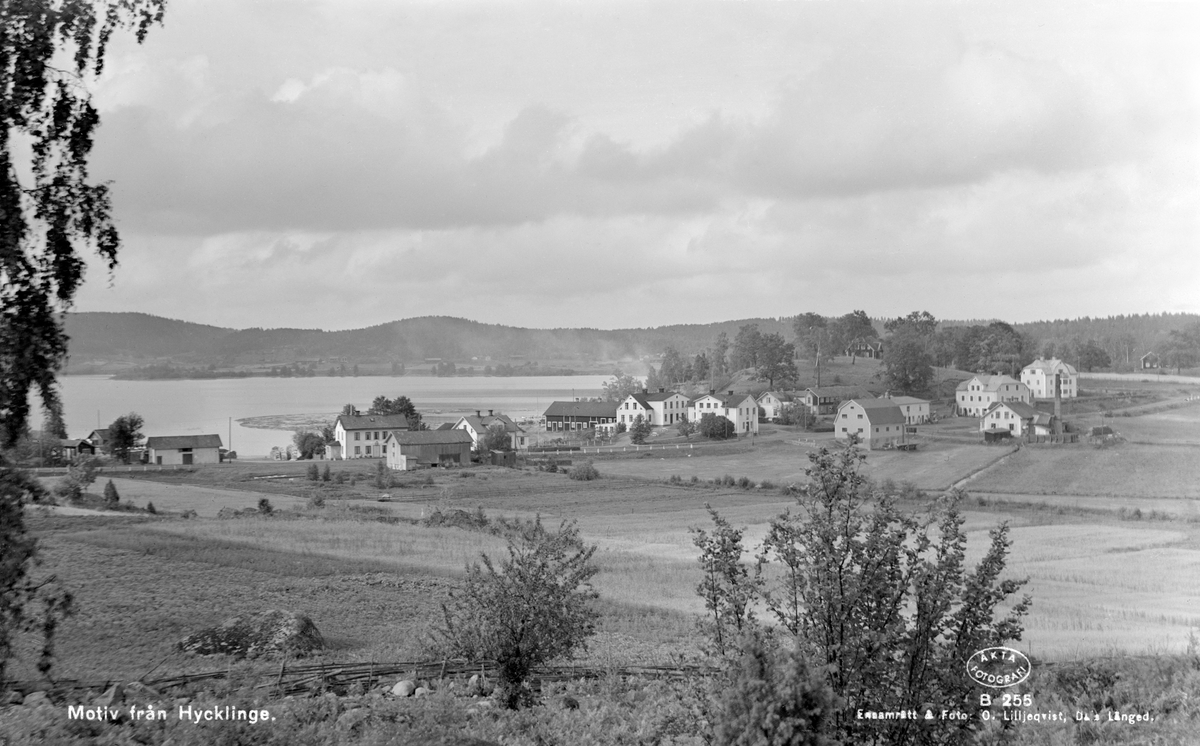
{"x": 268, "y": 632}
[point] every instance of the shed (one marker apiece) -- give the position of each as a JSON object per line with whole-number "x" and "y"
{"x": 413, "y": 449}
{"x": 184, "y": 449}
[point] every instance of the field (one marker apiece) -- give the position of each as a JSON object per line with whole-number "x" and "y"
{"x": 1132, "y": 471}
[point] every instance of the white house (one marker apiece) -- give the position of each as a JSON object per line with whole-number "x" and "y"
{"x": 660, "y": 408}
{"x": 877, "y": 423}
{"x": 480, "y": 423}
{"x": 771, "y": 404}
{"x": 1039, "y": 377}
{"x": 740, "y": 409}
{"x": 363, "y": 435}
{"x": 184, "y": 449}
{"x": 1016, "y": 418}
{"x": 916, "y": 411}
{"x": 974, "y": 396}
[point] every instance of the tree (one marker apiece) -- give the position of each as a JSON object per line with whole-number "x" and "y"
{"x": 854, "y": 326}
{"x": 883, "y": 600}
{"x": 53, "y": 424}
{"x": 1182, "y": 348}
{"x": 639, "y": 430}
{"x": 534, "y": 607}
{"x": 674, "y": 368}
{"x": 700, "y": 367}
{"x": 309, "y": 444}
{"x": 776, "y": 359}
{"x": 686, "y": 428}
{"x": 124, "y": 434}
{"x": 719, "y": 362}
{"x": 400, "y": 405}
{"x": 78, "y": 478}
{"x": 111, "y": 497}
{"x": 350, "y": 410}
{"x": 1092, "y": 355}
{"x": 746, "y": 347}
{"x": 620, "y": 387}
{"x": 907, "y": 366}
{"x": 47, "y": 52}
{"x": 919, "y": 323}
{"x": 716, "y": 426}
{"x": 727, "y": 587}
{"x": 496, "y": 438}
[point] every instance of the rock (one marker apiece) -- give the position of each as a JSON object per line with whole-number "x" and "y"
{"x": 112, "y": 697}
{"x": 11, "y": 698}
{"x": 351, "y": 719}
{"x": 272, "y": 631}
{"x": 404, "y": 688}
{"x": 33, "y": 699}
{"x": 570, "y": 703}
{"x": 420, "y": 691}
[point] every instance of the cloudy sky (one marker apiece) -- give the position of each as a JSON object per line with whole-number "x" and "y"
{"x": 338, "y": 164}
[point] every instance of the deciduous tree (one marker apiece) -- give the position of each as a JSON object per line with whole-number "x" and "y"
{"x": 746, "y": 347}
{"x": 776, "y": 359}
{"x": 907, "y": 366}
{"x": 400, "y": 405}
{"x": 124, "y": 434}
{"x": 620, "y": 387}
{"x": 716, "y": 426}
{"x": 639, "y": 430}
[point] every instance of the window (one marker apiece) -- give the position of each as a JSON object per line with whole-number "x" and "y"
{"x": 357, "y": 449}
{"x": 860, "y": 417}
{"x": 357, "y": 436}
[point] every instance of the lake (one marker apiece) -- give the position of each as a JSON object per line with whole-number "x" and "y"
{"x": 215, "y": 406}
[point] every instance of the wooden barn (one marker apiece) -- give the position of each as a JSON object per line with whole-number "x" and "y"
{"x": 414, "y": 449}
{"x": 184, "y": 449}
{"x": 581, "y": 415}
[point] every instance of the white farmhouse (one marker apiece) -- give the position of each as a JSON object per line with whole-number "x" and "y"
{"x": 1039, "y": 377}
{"x": 1015, "y": 418}
{"x": 877, "y": 423}
{"x": 974, "y": 396}
{"x": 740, "y": 409}
{"x": 363, "y": 435}
{"x": 660, "y": 409}
{"x": 771, "y": 404}
{"x": 480, "y": 423}
{"x": 916, "y": 411}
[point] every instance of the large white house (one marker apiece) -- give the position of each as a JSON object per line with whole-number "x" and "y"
{"x": 363, "y": 435}
{"x": 974, "y": 396}
{"x": 660, "y": 408}
{"x": 771, "y": 404}
{"x": 1039, "y": 377}
{"x": 1015, "y": 418}
{"x": 877, "y": 423}
{"x": 740, "y": 409}
{"x": 479, "y": 423}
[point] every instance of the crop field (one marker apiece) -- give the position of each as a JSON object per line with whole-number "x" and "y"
{"x": 1180, "y": 425}
{"x": 1129, "y": 470}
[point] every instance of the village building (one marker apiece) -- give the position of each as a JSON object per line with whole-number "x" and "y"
{"x": 869, "y": 348}
{"x": 581, "y": 415}
{"x": 660, "y": 408}
{"x": 771, "y": 404}
{"x": 1038, "y": 376}
{"x": 479, "y": 424}
{"x": 413, "y": 449}
{"x": 98, "y": 439}
{"x": 916, "y": 411}
{"x": 740, "y": 409}
{"x": 972, "y": 397}
{"x": 185, "y": 450}
{"x": 877, "y": 423}
{"x": 363, "y": 435}
{"x": 1016, "y": 418}
{"x": 1151, "y": 361}
{"x": 72, "y": 448}
{"x": 826, "y": 399}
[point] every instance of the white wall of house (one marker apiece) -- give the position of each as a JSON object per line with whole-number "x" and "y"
{"x": 175, "y": 456}
{"x": 629, "y": 409}
{"x": 853, "y": 420}
{"x": 1003, "y": 418}
{"x": 1040, "y": 381}
{"x": 743, "y": 414}
{"x": 977, "y": 397}
{"x": 360, "y": 443}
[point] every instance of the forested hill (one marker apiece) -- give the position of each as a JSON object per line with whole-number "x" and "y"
{"x": 107, "y": 338}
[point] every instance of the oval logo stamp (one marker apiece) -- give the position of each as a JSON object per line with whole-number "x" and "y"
{"x": 998, "y": 668}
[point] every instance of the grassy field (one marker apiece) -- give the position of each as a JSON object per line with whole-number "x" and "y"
{"x": 1132, "y": 471}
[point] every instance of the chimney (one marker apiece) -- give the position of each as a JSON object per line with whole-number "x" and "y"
{"x": 731, "y": 392}
{"x": 1057, "y": 396}
{"x": 490, "y": 412}
{"x": 645, "y": 391}
{"x": 712, "y": 392}
{"x": 478, "y": 413}
{"x": 662, "y": 390}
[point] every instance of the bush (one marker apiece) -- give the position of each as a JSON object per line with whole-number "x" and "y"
{"x": 111, "y": 498}
{"x": 534, "y": 606}
{"x": 326, "y": 473}
{"x": 265, "y": 507}
{"x": 151, "y": 509}
{"x": 695, "y": 479}
{"x": 620, "y": 428}
{"x": 675, "y": 479}
{"x": 727, "y": 481}
{"x": 774, "y": 699}
{"x": 316, "y": 501}
{"x": 585, "y": 472}
{"x": 639, "y": 431}
{"x": 716, "y": 427}
{"x": 745, "y": 483}
{"x": 314, "y": 473}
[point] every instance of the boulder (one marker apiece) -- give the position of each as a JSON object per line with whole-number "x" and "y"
{"x": 351, "y": 719}
{"x": 420, "y": 691}
{"x": 265, "y": 633}
{"x": 404, "y": 688}
{"x": 112, "y": 697}
{"x": 33, "y": 699}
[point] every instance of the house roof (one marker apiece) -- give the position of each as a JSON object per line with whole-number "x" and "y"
{"x": 909, "y": 400}
{"x": 727, "y": 400}
{"x": 1020, "y": 409}
{"x": 373, "y": 422}
{"x": 429, "y": 437}
{"x": 171, "y": 442}
{"x": 1152, "y": 353}
{"x": 481, "y": 423}
{"x": 445, "y": 426}
{"x": 71, "y": 442}
{"x": 879, "y": 411}
{"x": 582, "y": 409}
{"x": 776, "y": 394}
{"x": 1050, "y": 366}
{"x": 989, "y": 383}
{"x": 98, "y": 434}
{"x": 846, "y": 392}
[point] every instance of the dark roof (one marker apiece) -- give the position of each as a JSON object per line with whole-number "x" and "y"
{"x": 373, "y": 421}
{"x": 71, "y": 442}
{"x": 428, "y": 437}
{"x": 1021, "y": 409}
{"x": 170, "y": 442}
{"x": 101, "y": 434}
{"x": 582, "y": 409}
{"x": 846, "y": 392}
{"x": 479, "y": 424}
{"x": 728, "y": 400}
{"x": 445, "y": 426}
{"x": 909, "y": 400}
{"x": 880, "y": 411}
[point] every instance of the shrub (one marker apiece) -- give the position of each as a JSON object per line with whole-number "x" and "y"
{"x": 745, "y": 483}
{"x": 111, "y": 498}
{"x": 314, "y": 473}
{"x": 728, "y": 481}
{"x": 151, "y": 509}
{"x": 585, "y": 472}
{"x": 316, "y": 501}
{"x": 532, "y": 607}
{"x": 383, "y": 476}
{"x": 675, "y": 479}
{"x": 620, "y": 427}
{"x": 639, "y": 431}
{"x": 265, "y": 507}
{"x": 766, "y": 484}
{"x": 326, "y": 473}
{"x": 773, "y": 699}
{"x": 716, "y": 427}
{"x": 340, "y": 478}
{"x": 728, "y": 588}
{"x": 695, "y": 479}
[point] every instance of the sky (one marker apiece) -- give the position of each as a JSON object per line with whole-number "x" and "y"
{"x": 338, "y": 164}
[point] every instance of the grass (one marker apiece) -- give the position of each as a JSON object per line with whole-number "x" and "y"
{"x": 1134, "y": 471}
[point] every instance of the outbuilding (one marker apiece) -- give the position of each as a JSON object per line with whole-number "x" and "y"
{"x": 877, "y": 423}
{"x": 184, "y": 449}
{"x": 414, "y": 449}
